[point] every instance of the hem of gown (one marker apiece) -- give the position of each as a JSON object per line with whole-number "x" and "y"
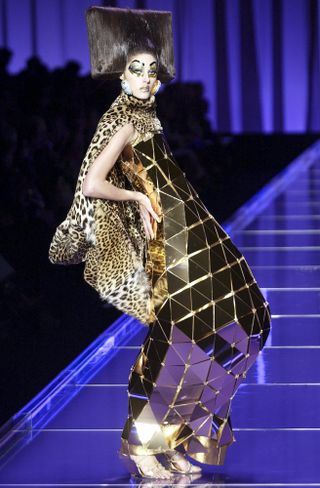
{"x": 138, "y": 450}
{"x": 214, "y": 454}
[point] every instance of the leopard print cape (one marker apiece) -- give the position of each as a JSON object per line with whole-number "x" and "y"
{"x": 108, "y": 235}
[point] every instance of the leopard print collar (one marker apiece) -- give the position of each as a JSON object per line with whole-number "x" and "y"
{"x": 142, "y": 112}
{"x": 134, "y": 103}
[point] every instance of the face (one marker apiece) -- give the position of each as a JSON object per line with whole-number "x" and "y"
{"x": 141, "y": 74}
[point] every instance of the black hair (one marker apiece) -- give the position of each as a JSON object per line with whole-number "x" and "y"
{"x": 116, "y": 34}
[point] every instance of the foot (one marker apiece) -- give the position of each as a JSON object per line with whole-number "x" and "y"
{"x": 178, "y": 463}
{"x": 150, "y": 467}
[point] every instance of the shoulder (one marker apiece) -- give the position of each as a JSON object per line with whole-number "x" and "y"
{"x": 118, "y": 136}
{"x": 127, "y": 132}
{"x": 116, "y": 126}
{"x": 128, "y": 129}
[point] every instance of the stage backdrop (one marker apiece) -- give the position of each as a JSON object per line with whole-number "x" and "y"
{"x": 259, "y": 60}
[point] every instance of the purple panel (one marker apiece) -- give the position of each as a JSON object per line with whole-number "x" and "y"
{"x": 263, "y": 31}
{"x": 286, "y": 52}
{"x": 233, "y": 35}
{"x": 159, "y": 4}
{"x": 51, "y": 34}
{"x": 295, "y": 59}
{"x": 76, "y": 37}
{"x": 198, "y": 48}
{"x": 19, "y": 32}
{"x": 126, "y": 3}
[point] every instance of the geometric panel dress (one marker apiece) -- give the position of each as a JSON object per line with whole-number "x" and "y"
{"x": 210, "y": 319}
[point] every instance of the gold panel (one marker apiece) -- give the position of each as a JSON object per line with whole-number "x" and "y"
{"x": 208, "y": 311}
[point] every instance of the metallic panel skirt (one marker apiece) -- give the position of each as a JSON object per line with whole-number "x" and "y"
{"x": 209, "y": 322}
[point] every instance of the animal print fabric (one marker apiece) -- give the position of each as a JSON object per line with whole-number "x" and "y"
{"x": 109, "y": 235}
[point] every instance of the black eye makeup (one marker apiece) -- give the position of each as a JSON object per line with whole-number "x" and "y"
{"x": 136, "y": 67}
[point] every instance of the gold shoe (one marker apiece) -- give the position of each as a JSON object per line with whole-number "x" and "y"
{"x": 145, "y": 466}
{"x": 177, "y": 463}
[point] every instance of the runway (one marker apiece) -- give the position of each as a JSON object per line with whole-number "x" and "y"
{"x": 69, "y": 434}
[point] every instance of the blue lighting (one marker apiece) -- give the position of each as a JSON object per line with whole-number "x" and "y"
{"x": 36, "y": 414}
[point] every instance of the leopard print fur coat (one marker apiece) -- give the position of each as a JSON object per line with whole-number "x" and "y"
{"x": 108, "y": 235}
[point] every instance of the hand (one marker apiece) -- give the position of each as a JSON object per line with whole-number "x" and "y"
{"x": 147, "y": 214}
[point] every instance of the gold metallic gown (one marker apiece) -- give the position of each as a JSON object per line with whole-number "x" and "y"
{"x": 210, "y": 319}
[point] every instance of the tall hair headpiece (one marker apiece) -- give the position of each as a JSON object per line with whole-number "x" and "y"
{"x": 115, "y": 32}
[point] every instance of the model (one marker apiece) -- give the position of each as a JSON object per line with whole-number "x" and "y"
{"x": 153, "y": 250}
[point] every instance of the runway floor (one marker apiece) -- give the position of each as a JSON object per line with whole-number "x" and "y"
{"x": 275, "y": 413}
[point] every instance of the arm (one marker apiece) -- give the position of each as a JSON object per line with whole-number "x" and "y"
{"x": 95, "y": 184}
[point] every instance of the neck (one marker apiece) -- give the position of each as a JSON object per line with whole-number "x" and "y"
{"x": 138, "y": 103}
{"x": 142, "y": 112}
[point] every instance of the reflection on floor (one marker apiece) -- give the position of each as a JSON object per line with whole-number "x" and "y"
{"x": 69, "y": 434}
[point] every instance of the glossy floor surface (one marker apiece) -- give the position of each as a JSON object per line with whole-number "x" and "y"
{"x": 275, "y": 413}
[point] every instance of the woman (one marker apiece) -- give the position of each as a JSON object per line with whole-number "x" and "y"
{"x": 153, "y": 250}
